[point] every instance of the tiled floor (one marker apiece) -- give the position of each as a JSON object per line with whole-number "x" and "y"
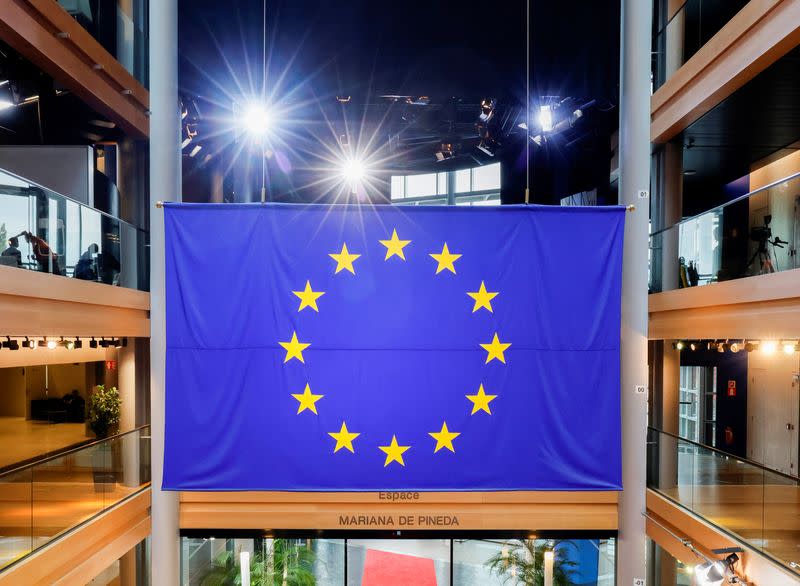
{"x": 22, "y": 440}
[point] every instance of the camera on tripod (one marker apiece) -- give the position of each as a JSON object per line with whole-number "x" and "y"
{"x": 763, "y": 236}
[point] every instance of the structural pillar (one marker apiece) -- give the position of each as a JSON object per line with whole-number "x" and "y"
{"x": 165, "y": 185}
{"x": 634, "y": 182}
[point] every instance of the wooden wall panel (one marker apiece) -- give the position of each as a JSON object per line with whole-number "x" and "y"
{"x": 763, "y": 307}
{"x": 760, "y": 34}
{"x": 532, "y": 511}
{"x": 81, "y": 555}
{"x": 38, "y": 304}
{"x": 75, "y": 59}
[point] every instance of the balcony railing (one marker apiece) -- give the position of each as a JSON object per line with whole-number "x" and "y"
{"x": 754, "y": 234}
{"x": 42, "y": 501}
{"x": 691, "y": 27}
{"x": 753, "y": 504}
{"x": 41, "y": 230}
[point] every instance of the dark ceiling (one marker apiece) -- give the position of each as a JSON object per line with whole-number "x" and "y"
{"x": 757, "y": 121}
{"x": 453, "y": 53}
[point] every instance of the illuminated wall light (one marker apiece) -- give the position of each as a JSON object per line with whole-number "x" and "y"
{"x": 546, "y": 118}
{"x": 735, "y": 347}
{"x": 51, "y": 344}
{"x": 693, "y": 346}
{"x": 712, "y": 345}
{"x": 31, "y": 344}
{"x": 679, "y": 345}
{"x": 69, "y": 344}
{"x": 788, "y": 347}
{"x": 257, "y": 120}
{"x": 769, "y": 347}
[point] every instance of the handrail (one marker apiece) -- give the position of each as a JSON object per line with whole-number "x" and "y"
{"x": 72, "y": 199}
{"x": 726, "y": 454}
{"x": 727, "y": 203}
{"x": 71, "y": 451}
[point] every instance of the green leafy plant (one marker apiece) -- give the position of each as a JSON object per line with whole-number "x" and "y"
{"x": 522, "y": 562}
{"x": 104, "y": 409}
{"x": 282, "y": 563}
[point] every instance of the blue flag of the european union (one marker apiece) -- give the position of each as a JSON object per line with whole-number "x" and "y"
{"x": 316, "y": 347}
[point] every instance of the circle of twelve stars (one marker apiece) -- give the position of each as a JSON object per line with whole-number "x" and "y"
{"x": 308, "y": 400}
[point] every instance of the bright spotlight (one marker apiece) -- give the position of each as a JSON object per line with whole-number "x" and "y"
{"x": 546, "y": 118}
{"x": 6, "y": 104}
{"x": 353, "y": 170}
{"x": 51, "y": 344}
{"x": 788, "y": 347}
{"x": 769, "y": 347}
{"x": 257, "y": 120}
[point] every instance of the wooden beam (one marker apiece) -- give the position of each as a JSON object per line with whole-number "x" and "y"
{"x": 79, "y": 556}
{"x": 40, "y": 304}
{"x": 75, "y": 59}
{"x": 757, "y": 36}
{"x": 761, "y": 307}
{"x": 527, "y": 511}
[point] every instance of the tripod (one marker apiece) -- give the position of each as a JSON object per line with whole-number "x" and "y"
{"x": 762, "y": 253}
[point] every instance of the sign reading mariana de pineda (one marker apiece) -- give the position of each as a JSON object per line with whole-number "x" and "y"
{"x": 383, "y": 348}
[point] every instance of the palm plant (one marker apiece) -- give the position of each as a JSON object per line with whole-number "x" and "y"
{"x": 282, "y": 563}
{"x": 522, "y": 563}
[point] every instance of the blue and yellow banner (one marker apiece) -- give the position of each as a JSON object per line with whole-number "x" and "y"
{"x": 357, "y": 348}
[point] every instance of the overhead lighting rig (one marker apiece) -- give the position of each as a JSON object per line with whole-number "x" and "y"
{"x": 76, "y": 343}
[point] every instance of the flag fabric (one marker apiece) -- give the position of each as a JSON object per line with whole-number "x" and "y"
{"x": 364, "y": 348}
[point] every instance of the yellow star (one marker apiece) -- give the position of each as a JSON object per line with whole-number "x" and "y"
{"x": 482, "y": 297}
{"x": 294, "y": 349}
{"x": 395, "y": 246}
{"x": 444, "y": 438}
{"x": 394, "y": 452}
{"x": 446, "y": 260}
{"x": 480, "y": 402}
{"x": 307, "y": 400}
{"x": 344, "y": 438}
{"x": 495, "y": 350}
{"x": 308, "y": 297}
{"x": 344, "y": 260}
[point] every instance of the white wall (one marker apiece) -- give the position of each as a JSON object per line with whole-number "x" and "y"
{"x": 68, "y": 170}
{"x": 773, "y": 403}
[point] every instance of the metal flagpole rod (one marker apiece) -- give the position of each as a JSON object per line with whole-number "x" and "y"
{"x": 634, "y": 181}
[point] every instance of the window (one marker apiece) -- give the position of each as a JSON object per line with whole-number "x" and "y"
{"x": 486, "y": 177}
{"x": 479, "y": 186}
{"x": 421, "y": 185}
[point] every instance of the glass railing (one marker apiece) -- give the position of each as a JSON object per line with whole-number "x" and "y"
{"x": 754, "y": 234}
{"x": 119, "y": 26}
{"x": 691, "y": 27}
{"x": 754, "y": 504}
{"x": 41, "y": 230}
{"x": 39, "y": 502}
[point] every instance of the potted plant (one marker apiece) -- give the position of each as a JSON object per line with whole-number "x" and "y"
{"x": 104, "y": 407}
{"x": 522, "y": 563}
{"x": 279, "y": 562}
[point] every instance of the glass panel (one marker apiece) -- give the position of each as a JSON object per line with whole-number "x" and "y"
{"x": 420, "y": 185}
{"x": 16, "y": 536}
{"x": 441, "y": 181}
{"x": 120, "y": 26}
{"x": 752, "y": 235}
{"x": 377, "y": 561}
{"x": 486, "y": 177}
{"x": 43, "y": 231}
{"x": 683, "y": 34}
{"x": 45, "y": 499}
{"x": 219, "y": 561}
{"x": 463, "y": 180}
{"x": 755, "y": 504}
{"x": 398, "y": 187}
